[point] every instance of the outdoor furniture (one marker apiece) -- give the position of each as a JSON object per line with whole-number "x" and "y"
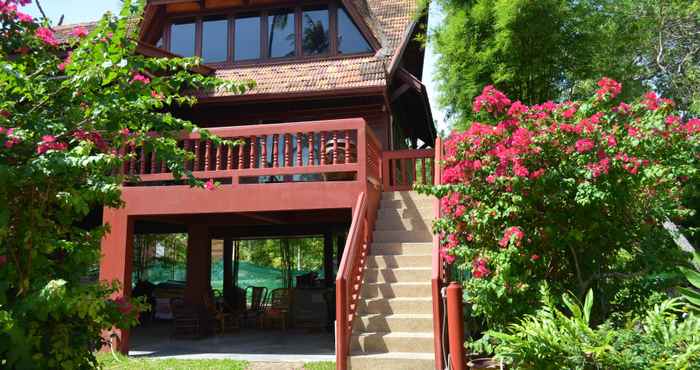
{"x": 278, "y": 310}
{"x": 257, "y": 300}
{"x": 186, "y": 321}
{"x": 225, "y": 318}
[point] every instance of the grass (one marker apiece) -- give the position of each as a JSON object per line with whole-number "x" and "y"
{"x": 108, "y": 362}
{"x": 322, "y": 365}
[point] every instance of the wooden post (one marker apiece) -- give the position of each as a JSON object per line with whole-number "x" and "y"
{"x": 198, "y": 256}
{"x": 328, "y": 259}
{"x": 117, "y": 259}
{"x": 455, "y": 325}
{"x": 228, "y": 274}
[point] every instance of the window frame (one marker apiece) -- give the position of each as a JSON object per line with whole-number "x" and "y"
{"x": 263, "y": 13}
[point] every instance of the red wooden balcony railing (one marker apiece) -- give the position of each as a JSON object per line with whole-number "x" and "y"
{"x": 302, "y": 151}
{"x": 405, "y": 168}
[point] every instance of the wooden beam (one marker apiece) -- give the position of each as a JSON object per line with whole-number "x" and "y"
{"x": 400, "y": 91}
{"x": 406, "y": 77}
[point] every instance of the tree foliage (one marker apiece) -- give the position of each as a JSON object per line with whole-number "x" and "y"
{"x": 64, "y": 106}
{"x": 536, "y": 51}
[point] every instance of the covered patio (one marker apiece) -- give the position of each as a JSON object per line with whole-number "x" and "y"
{"x": 249, "y": 344}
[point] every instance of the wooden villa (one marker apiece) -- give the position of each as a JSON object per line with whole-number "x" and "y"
{"x": 335, "y": 134}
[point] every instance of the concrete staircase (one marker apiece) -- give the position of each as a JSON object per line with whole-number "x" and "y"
{"x": 394, "y": 325}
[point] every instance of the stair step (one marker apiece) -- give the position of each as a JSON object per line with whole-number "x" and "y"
{"x": 398, "y": 261}
{"x": 395, "y": 305}
{"x": 395, "y": 290}
{"x": 392, "y": 342}
{"x": 421, "y": 212}
{"x": 392, "y": 361}
{"x": 407, "y": 203}
{"x": 393, "y": 275}
{"x": 407, "y": 224}
{"x": 382, "y": 236}
{"x": 401, "y": 248}
{"x": 401, "y": 195}
{"x": 394, "y": 323}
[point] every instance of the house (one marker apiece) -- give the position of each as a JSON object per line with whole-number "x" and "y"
{"x": 335, "y": 131}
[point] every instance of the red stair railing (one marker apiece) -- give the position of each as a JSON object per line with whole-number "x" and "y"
{"x": 439, "y": 267}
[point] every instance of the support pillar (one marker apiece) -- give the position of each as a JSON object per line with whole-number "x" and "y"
{"x": 228, "y": 273}
{"x": 116, "y": 263}
{"x": 198, "y": 264}
{"x": 455, "y": 325}
{"x": 328, "y": 259}
{"x": 339, "y": 246}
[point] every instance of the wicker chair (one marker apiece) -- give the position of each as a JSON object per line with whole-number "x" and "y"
{"x": 257, "y": 302}
{"x": 225, "y": 318}
{"x": 186, "y": 321}
{"x": 278, "y": 310}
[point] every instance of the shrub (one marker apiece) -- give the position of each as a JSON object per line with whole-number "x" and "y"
{"x": 550, "y": 339}
{"x": 64, "y": 106}
{"x": 572, "y": 193}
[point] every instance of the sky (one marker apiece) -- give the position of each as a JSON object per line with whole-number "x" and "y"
{"x": 77, "y": 11}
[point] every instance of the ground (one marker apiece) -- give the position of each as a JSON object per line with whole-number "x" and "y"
{"x": 119, "y": 362}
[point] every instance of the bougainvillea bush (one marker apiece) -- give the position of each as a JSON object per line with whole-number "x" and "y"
{"x": 65, "y": 106}
{"x": 572, "y": 193}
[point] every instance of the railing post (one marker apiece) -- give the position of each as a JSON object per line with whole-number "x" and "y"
{"x": 455, "y": 325}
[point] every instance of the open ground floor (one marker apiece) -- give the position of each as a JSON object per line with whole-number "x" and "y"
{"x": 155, "y": 340}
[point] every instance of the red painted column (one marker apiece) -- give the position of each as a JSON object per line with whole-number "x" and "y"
{"x": 455, "y": 325}
{"x": 116, "y": 262}
{"x": 198, "y": 264}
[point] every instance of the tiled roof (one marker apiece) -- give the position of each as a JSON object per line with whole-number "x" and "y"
{"x": 388, "y": 20}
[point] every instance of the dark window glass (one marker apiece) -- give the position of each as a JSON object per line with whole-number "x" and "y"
{"x": 214, "y": 40}
{"x": 350, "y": 39}
{"x": 280, "y": 32}
{"x": 182, "y": 39}
{"x": 315, "y": 36}
{"x": 247, "y": 38}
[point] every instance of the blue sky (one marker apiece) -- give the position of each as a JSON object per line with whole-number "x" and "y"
{"x": 76, "y": 11}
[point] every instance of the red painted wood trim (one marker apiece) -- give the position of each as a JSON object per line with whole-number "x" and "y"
{"x": 436, "y": 279}
{"x": 253, "y": 172}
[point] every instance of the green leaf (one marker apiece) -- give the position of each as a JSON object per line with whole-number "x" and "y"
{"x": 692, "y": 276}
{"x": 587, "y": 306}
{"x": 692, "y": 296}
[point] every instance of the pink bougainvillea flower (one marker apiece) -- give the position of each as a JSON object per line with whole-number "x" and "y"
{"x": 79, "y": 31}
{"x": 47, "y": 36}
{"x": 209, "y": 185}
{"x": 537, "y": 173}
{"x": 140, "y": 79}
{"x": 584, "y": 145}
{"x": 608, "y": 87}
{"x": 610, "y": 140}
{"x": 651, "y": 101}
{"x": 479, "y": 268}
{"x": 48, "y": 142}
{"x": 24, "y": 18}
{"x": 64, "y": 64}
{"x": 445, "y": 254}
{"x": 535, "y": 257}
{"x": 4, "y": 113}
{"x": 517, "y": 109}
{"x": 490, "y": 179}
{"x": 512, "y": 233}
{"x": 673, "y": 120}
{"x": 623, "y": 108}
{"x": 156, "y": 95}
{"x": 492, "y": 100}
{"x": 692, "y": 126}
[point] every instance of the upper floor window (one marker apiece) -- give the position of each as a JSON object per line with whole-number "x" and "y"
{"x": 238, "y": 37}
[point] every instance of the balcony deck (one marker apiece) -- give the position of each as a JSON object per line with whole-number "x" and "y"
{"x": 276, "y": 167}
